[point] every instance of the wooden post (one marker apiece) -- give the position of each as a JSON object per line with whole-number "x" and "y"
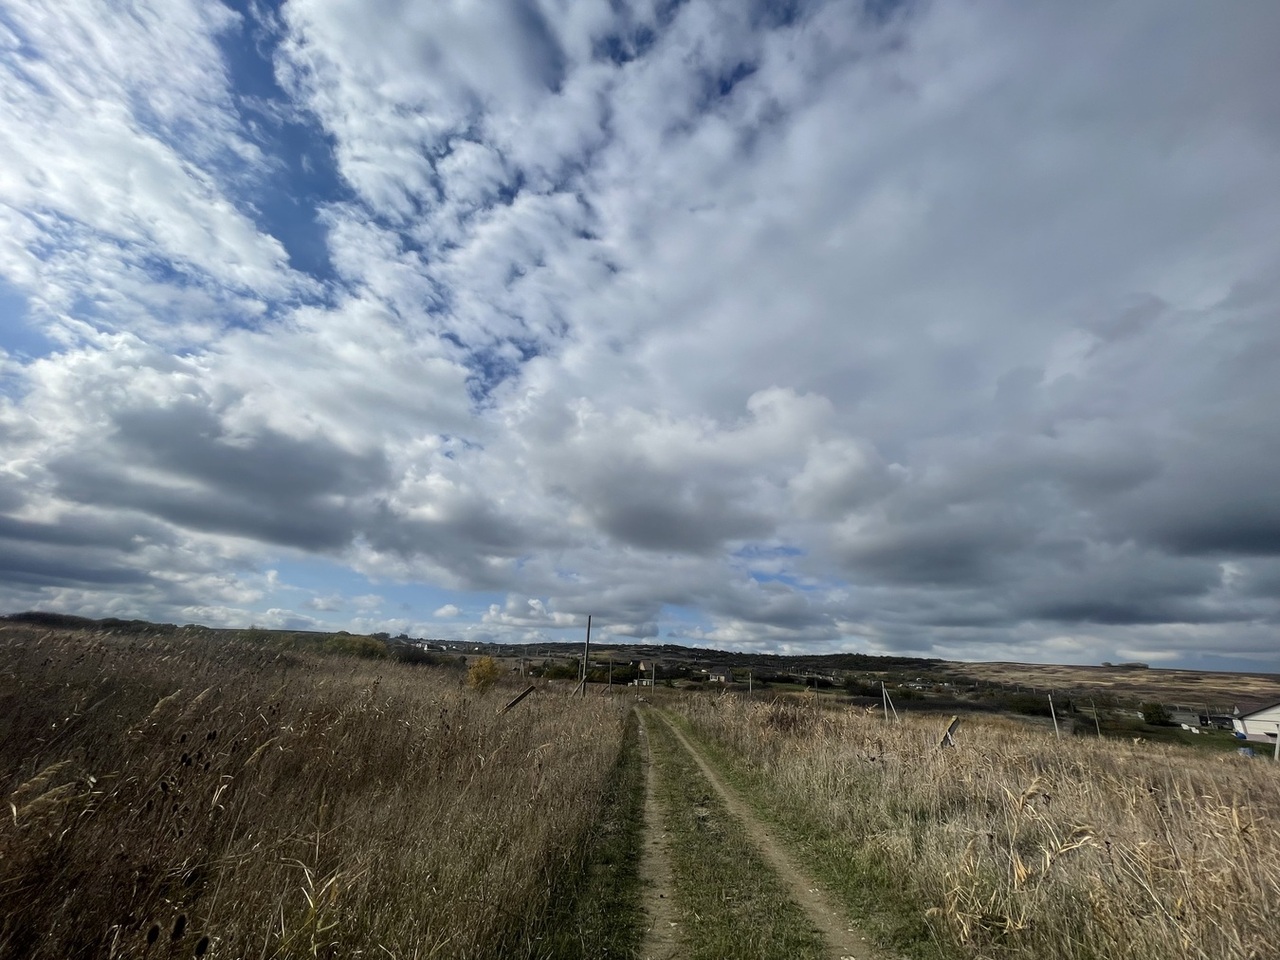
{"x": 527, "y": 690}
{"x": 586, "y": 656}
{"x": 1097, "y": 726}
{"x": 611, "y": 673}
{"x": 750, "y": 679}
{"x": 1054, "y": 714}
{"x": 888, "y": 704}
{"x": 947, "y": 739}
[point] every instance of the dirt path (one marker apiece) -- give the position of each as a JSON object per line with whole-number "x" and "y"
{"x": 660, "y": 940}
{"x": 845, "y": 941}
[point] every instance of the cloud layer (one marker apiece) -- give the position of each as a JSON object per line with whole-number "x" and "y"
{"x": 930, "y": 327}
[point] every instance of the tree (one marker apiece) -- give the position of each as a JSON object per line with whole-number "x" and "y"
{"x": 482, "y": 673}
{"x": 1155, "y": 714}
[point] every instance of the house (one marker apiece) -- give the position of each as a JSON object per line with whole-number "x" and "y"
{"x": 1260, "y": 725}
{"x": 648, "y": 673}
{"x": 720, "y": 674}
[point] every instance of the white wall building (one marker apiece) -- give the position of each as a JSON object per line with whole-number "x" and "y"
{"x": 1259, "y": 726}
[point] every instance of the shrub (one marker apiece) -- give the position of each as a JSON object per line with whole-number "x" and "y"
{"x": 483, "y": 673}
{"x": 1155, "y": 714}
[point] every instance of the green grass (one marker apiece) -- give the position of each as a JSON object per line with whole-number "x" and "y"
{"x": 731, "y": 902}
{"x": 869, "y": 889}
{"x": 602, "y": 915}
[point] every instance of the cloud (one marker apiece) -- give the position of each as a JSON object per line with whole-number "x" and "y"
{"x": 950, "y": 331}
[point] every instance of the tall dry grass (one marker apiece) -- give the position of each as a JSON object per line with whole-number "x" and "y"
{"x": 168, "y": 798}
{"x": 1019, "y": 845}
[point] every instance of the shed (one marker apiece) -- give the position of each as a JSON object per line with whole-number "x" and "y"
{"x": 1261, "y": 725}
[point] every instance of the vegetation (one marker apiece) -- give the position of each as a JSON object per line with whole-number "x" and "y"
{"x": 1014, "y": 844}
{"x": 1155, "y": 714}
{"x": 731, "y": 902}
{"x": 172, "y": 795}
{"x": 601, "y": 915}
{"x": 483, "y": 673}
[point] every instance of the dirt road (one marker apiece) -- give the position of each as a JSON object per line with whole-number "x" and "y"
{"x": 845, "y": 942}
{"x": 660, "y": 940}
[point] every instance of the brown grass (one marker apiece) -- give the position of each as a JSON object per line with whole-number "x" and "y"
{"x": 165, "y": 798}
{"x": 1130, "y": 686}
{"x": 1017, "y": 845}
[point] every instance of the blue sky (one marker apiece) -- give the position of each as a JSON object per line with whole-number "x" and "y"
{"x": 936, "y": 328}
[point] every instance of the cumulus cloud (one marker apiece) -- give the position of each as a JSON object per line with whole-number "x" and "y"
{"x": 939, "y": 328}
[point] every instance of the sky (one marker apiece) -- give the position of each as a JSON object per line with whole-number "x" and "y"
{"x": 945, "y": 329}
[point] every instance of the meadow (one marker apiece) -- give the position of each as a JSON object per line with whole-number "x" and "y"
{"x": 174, "y": 792}
{"x": 1012, "y": 844}
{"x": 172, "y": 795}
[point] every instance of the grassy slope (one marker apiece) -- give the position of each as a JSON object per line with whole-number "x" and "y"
{"x": 1013, "y": 844}
{"x": 171, "y": 795}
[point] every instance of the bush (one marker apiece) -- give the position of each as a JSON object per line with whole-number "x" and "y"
{"x": 483, "y": 673}
{"x": 1155, "y": 714}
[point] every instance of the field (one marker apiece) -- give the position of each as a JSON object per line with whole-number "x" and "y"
{"x": 1128, "y": 685}
{"x": 1013, "y": 844}
{"x": 176, "y": 792}
{"x": 168, "y": 796}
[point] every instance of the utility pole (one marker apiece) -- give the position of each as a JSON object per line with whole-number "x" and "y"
{"x": 1096, "y": 725}
{"x": 586, "y": 656}
{"x": 1054, "y": 714}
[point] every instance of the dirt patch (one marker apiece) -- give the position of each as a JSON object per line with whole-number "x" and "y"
{"x": 661, "y": 924}
{"x": 846, "y": 942}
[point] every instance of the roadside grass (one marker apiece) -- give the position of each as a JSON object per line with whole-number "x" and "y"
{"x": 1013, "y": 845}
{"x": 870, "y": 889}
{"x": 730, "y": 902}
{"x": 176, "y": 796}
{"x": 601, "y": 915}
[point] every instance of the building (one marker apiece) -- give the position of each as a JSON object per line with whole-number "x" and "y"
{"x": 1259, "y": 725}
{"x": 720, "y": 674}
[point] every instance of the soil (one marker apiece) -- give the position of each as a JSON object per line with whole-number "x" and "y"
{"x": 845, "y": 941}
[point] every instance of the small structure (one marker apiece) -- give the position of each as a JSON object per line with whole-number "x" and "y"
{"x": 1260, "y": 725}
{"x": 720, "y": 674}
{"x": 648, "y": 673}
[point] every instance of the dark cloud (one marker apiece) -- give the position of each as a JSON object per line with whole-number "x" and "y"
{"x": 266, "y": 486}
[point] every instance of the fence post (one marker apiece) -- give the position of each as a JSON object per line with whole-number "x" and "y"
{"x": 1054, "y": 714}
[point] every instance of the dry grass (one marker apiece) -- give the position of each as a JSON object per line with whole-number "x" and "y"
{"x": 1018, "y": 845}
{"x": 1130, "y": 686}
{"x": 165, "y": 798}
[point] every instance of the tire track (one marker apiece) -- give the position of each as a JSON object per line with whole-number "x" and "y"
{"x": 660, "y": 939}
{"x": 844, "y": 940}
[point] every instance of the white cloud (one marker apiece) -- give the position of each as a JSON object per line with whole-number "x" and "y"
{"x": 932, "y": 335}
{"x": 103, "y": 174}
